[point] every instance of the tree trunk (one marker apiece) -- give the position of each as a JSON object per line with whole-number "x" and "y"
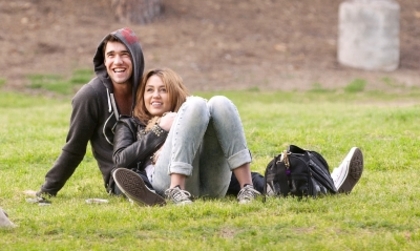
{"x": 136, "y": 11}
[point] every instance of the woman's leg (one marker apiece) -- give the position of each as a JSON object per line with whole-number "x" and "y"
{"x": 224, "y": 149}
{"x": 179, "y": 152}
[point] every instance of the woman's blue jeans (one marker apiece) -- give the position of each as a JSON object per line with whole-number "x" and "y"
{"x": 205, "y": 143}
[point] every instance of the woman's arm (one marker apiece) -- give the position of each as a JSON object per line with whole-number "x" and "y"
{"x": 128, "y": 150}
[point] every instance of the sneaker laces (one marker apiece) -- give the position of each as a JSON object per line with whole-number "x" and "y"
{"x": 247, "y": 194}
{"x": 178, "y": 196}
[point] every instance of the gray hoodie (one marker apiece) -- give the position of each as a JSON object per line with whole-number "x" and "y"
{"x": 94, "y": 114}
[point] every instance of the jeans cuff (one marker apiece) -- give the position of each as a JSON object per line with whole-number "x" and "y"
{"x": 180, "y": 168}
{"x": 239, "y": 158}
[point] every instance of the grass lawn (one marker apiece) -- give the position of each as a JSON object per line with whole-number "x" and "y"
{"x": 382, "y": 212}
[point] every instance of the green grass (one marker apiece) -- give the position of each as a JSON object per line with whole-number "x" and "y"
{"x": 58, "y": 84}
{"x": 2, "y": 82}
{"x": 382, "y": 212}
{"x": 357, "y": 85}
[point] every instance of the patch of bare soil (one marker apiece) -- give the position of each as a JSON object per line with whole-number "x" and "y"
{"x": 214, "y": 45}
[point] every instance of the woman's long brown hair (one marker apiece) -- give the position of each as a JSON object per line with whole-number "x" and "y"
{"x": 177, "y": 92}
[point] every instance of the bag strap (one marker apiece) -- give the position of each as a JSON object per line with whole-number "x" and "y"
{"x": 265, "y": 187}
{"x": 276, "y": 169}
{"x": 268, "y": 179}
{"x": 321, "y": 166}
{"x": 282, "y": 165}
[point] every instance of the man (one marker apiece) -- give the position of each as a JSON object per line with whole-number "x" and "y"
{"x": 96, "y": 107}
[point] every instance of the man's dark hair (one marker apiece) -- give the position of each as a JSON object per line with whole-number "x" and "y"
{"x": 110, "y": 38}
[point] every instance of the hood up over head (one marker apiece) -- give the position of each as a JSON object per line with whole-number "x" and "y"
{"x": 130, "y": 40}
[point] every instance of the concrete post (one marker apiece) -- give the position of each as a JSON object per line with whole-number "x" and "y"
{"x": 369, "y": 34}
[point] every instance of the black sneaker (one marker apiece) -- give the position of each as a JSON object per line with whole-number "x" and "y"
{"x": 132, "y": 186}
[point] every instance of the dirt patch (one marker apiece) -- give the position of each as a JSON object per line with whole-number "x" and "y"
{"x": 214, "y": 45}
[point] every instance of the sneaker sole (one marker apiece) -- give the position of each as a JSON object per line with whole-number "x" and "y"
{"x": 132, "y": 185}
{"x": 355, "y": 172}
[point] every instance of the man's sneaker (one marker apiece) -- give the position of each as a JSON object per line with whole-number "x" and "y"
{"x": 178, "y": 196}
{"x": 132, "y": 186}
{"x": 247, "y": 194}
{"x": 349, "y": 172}
{"x": 4, "y": 219}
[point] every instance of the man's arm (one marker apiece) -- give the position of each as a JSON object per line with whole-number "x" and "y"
{"x": 83, "y": 122}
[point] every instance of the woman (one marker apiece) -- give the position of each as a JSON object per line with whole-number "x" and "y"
{"x": 202, "y": 143}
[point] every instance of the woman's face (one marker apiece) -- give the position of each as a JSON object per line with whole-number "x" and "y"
{"x": 156, "y": 97}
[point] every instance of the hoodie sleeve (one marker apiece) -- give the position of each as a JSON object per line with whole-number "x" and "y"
{"x": 83, "y": 122}
{"x": 128, "y": 150}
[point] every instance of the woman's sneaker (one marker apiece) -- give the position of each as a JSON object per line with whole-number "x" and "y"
{"x": 247, "y": 194}
{"x": 132, "y": 186}
{"x": 178, "y": 196}
{"x": 349, "y": 172}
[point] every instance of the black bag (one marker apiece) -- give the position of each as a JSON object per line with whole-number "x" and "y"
{"x": 298, "y": 172}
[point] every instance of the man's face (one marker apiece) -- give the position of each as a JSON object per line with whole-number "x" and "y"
{"x": 118, "y": 63}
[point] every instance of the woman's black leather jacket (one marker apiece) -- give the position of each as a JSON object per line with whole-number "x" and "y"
{"x": 133, "y": 146}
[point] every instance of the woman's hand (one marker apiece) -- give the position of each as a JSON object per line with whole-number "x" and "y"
{"x": 167, "y": 120}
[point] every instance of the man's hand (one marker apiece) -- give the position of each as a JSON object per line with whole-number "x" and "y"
{"x": 37, "y": 197}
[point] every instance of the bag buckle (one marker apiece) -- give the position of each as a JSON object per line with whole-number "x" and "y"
{"x": 285, "y": 159}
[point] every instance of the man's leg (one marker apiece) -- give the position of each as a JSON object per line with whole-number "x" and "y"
{"x": 257, "y": 180}
{"x": 348, "y": 173}
{"x": 132, "y": 185}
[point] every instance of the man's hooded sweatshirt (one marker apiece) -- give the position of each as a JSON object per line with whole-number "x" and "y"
{"x": 94, "y": 114}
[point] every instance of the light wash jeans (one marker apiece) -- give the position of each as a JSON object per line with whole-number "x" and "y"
{"x": 205, "y": 143}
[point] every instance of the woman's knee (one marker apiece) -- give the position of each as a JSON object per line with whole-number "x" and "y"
{"x": 195, "y": 104}
{"x": 194, "y": 110}
{"x": 219, "y": 101}
{"x": 221, "y": 106}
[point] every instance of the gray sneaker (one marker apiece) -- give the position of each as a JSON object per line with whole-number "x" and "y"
{"x": 247, "y": 194}
{"x": 132, "y": 186}
{"x": 4, "y": 220}
{"x": 349, "y": 172}
{"x": 178, "y": 196}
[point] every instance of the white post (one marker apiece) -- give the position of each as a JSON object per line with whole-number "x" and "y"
{"x": 369, "y": 34}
